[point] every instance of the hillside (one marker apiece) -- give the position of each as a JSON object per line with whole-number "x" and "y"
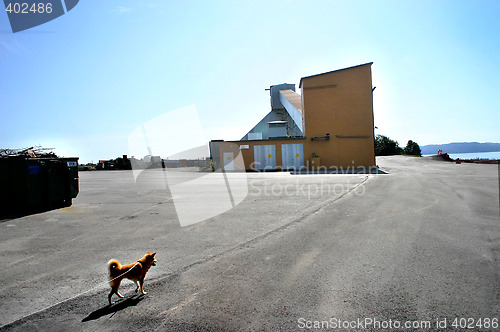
{"x": 464, "y": 147}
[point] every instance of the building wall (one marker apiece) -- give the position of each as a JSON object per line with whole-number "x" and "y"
{"x": 244, "y": 158}
{"x": 340, "y": 103}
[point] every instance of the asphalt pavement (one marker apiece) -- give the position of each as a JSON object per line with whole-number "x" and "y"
{"x": 415, "y": 249}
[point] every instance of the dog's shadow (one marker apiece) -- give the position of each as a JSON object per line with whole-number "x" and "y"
{"x": 113, "y": 308}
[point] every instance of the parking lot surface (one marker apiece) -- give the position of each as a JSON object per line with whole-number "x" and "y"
{"x": 420, "y": 244}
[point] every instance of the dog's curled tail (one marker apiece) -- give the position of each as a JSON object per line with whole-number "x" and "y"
{"x": 114, "y": 267}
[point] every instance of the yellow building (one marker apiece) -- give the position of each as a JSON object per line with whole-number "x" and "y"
{"x": 329, "y": 126}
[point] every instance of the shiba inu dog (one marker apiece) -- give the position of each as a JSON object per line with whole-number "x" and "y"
{"x": 134, "y": 271}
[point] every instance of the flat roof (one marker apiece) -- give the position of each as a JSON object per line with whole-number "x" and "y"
{"x": 329, "y": 72}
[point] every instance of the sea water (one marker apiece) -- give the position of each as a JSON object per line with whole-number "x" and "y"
{"x": 474, "y": 155}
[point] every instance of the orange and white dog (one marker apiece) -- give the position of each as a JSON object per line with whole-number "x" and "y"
{"x": 135, "y": 272}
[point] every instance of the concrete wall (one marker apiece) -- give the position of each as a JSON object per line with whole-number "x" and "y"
{"x": 340, "y": 103}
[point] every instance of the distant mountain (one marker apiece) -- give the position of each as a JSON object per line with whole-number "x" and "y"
{"x": 465, "y": 147}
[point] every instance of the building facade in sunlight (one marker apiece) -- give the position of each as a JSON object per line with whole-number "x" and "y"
{"x": 329, "y": 125}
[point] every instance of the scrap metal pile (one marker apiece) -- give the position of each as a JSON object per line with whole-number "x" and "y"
{"x": 33, "y": 152}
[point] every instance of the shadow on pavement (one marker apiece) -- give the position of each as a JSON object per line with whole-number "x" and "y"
{"x": 111, "y": 309}
{"x": 10, "y": 213}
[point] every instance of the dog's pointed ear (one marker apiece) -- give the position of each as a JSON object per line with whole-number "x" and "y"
{"x": 153, "y": 253}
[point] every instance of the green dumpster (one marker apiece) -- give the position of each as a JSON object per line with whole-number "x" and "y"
{"x": 27, "y": 183}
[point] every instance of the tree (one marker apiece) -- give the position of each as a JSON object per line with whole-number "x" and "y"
{"x": 384, "y": 146}
{"x": 413, "y": 149}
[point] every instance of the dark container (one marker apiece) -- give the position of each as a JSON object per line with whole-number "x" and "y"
{"x": 31, "y": 183}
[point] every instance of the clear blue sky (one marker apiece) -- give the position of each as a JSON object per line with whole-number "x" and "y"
{"x": 83, "y": 82}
